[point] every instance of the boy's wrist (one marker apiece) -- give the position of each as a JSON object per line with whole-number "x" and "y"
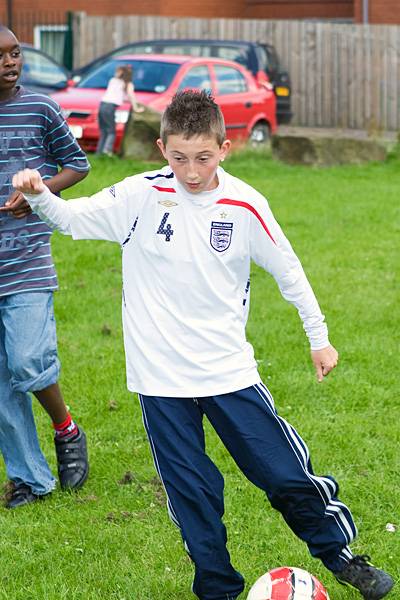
{"x": 36, "y": 197}
{"x": 320, "y": 346}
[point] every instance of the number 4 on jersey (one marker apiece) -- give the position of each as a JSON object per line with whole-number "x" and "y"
{"x": 165, "y": 229}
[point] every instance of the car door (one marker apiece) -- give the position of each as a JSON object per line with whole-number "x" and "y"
{"x": 235, "y": 100}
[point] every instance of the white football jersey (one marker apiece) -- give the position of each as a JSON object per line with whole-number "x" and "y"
{"x": 186, "y": 268}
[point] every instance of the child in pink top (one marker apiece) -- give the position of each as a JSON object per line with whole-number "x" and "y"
{"x": 120, "y": 88}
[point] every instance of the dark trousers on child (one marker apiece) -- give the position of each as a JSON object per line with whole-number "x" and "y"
{"x": 107, "y": 128}
{"x": 269, "y": 452}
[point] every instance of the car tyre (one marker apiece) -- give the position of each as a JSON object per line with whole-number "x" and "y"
{"x": 260, "y": 135}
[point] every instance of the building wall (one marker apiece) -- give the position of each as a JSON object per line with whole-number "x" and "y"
{"x": 299, "y": 9}
{"x": 385, "y": 12}
{"x": 24, "y": 17}
{"x": 263, "y": 9}
{"x": 100, "y": 7}
{"x": 266, "y": 9}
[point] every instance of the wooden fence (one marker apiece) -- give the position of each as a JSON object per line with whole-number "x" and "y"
{"x": 343, "y": 75}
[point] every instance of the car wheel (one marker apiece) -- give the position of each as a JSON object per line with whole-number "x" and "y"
{"x": 259, "y": 135}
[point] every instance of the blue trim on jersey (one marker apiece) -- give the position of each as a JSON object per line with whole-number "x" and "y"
{"x": 53, "y": 130}
{"x": 24, "y": 260}
{"x": 170, "y": 176}
{"x": 47, "y": 104}
{"x": 26, "y": 280}
{"x": 25, "y": 148}
{"x": 49, "y": 288}
{"x": 71, "y": 143}
{"x": 30, "y": 235}
{"x": 24, "y": 126}
{"x": 27, "y": 114}
{"x": 23, "y": 225}
{"x": 75, "y": 168}
{"x": 35, "y": 245}
{"x": 28, "y": 270}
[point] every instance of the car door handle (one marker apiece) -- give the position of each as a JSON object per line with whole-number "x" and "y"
{"x": 248, "y": 104}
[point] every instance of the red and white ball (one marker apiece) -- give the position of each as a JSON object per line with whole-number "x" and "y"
{"x": 288, "y": 583}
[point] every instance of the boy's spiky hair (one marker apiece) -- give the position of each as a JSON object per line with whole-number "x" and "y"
{"x": 193, "y": 113}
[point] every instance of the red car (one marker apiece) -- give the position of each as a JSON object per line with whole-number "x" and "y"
{"x": 248, "y": 107}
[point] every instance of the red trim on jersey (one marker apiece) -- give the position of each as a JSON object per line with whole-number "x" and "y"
{"x": 251, "y": 209}
{"x": 161, "y": 189}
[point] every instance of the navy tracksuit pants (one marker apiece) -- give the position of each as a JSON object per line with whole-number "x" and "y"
{"x": 272, "y": 456}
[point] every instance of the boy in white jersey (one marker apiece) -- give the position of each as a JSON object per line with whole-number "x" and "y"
{"x": 188, "y": 233}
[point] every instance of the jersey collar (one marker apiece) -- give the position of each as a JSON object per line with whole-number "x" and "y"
{"x": 204, "y": 198}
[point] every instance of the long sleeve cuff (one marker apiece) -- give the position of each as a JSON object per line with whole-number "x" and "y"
{"x": 51, "y": 209}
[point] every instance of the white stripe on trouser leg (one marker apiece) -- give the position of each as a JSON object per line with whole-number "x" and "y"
{"x": 333, "y": 508}
{"x": 170, "y": 508}
{"x": 303, "y": 457}
{"x": 346, "y": 554}
{"x": 336, "y": 507}
{"x": 302, "y": 454}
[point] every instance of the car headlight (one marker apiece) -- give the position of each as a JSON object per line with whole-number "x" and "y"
{"x": 121, "y": 116}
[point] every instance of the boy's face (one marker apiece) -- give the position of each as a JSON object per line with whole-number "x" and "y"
{"x": 10, "y": 63}
{"x": 194, "y": 160}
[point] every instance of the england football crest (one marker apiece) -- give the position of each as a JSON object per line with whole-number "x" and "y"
{"x": 221, "y": 235}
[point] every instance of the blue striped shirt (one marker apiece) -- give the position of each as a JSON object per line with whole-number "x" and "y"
{"x": 34, "y": 135}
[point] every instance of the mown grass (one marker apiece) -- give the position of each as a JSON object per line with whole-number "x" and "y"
{"x": 113, "y": 540}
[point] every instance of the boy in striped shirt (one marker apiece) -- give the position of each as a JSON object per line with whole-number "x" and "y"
{"x": 33, "y": 133}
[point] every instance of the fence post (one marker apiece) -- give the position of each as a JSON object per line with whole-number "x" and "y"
{"x": 10, "y": 14}
{"x": 68, "y": 58}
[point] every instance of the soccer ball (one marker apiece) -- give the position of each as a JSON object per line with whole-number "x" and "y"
{"x": 288, "y": 583}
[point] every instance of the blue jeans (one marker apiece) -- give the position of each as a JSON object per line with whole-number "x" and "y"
{"x": 28, "y": 362}
{"x": 107, "y": 127}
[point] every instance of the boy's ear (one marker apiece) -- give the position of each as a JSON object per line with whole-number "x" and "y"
{"x": 160, "y": 144}
{"x": 225, "y": 147}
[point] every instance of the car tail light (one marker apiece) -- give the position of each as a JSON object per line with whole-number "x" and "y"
{"x": 282, "y": 91}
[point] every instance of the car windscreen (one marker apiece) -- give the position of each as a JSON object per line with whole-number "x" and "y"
{"x": 148, "y": 75}
{"x": 40, "y": 70}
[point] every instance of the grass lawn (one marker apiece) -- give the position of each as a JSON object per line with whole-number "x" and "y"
{"x": 113, "y": 539}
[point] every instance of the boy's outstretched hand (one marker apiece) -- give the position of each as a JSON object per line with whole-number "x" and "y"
{"x": 28, "y": 181}
{"x": 324, "y": 361}
{"x": 16, "y": 205}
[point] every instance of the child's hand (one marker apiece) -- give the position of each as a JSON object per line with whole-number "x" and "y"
{"x": 28, "y": 181}
{"x": 16, "y": 205}
{"x": 324, "y": 361}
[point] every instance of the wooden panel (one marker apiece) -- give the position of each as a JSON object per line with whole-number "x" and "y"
{"x": 342, "y": 75}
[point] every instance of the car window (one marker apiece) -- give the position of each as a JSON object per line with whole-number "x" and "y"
{"x": 197, "y": 78}
{"x": 229, "y": 80}
{"x": 262, "y": 57}
{"x": 189, "y": 49}
{"x": 39, "y": 69}
{"x": 272, "y": 57}
{"x": 238, "y": 55}
{"x": 148, "y": 75}
{"x": 135, "y": 49}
